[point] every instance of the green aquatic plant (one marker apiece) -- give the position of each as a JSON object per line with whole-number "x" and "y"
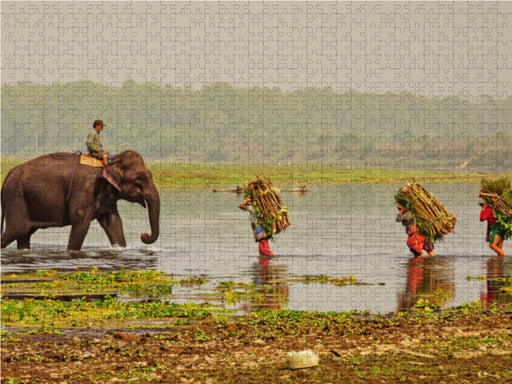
{"x": 231, "y": 297}
{"x": 224, "y": 285}
{"x": 132, "y": 283}
{"x": 442, "y": 295}
{"x": 324, "y": 279}
{"x": 99, "y": 313}
{"x": 192, "y": 281}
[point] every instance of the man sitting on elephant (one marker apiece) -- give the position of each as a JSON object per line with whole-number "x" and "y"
{"x": 94, "y": 142}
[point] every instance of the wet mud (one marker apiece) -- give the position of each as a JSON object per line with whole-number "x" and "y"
{"x": 150, "y": 339}
{"x": 468, "y": 345}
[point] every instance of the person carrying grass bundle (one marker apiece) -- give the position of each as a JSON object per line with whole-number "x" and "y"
{"x": 497, "y": 210}
{"x": 416, "y": 241}
{"x": 260, "y": 236}
{"x": 268, "y": 214}
{"x": 426, "y": 219}
{"x": 494, "y": 234}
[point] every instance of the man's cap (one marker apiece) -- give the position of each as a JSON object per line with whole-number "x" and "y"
{"x": 99, "y": 122}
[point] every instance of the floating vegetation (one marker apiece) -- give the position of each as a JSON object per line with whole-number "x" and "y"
{"x": 147, "y": 284}
{"x": 192, "y": 281}
{"x": 337, "y": 281}
{"x": 227, "y": 285}
{"x": 271, "y": 291}
{"x": 479, "y": 278}
{"x": 56, "y": 314}
{"x": 503, "y": 279}
{"x": 274, "y": 290}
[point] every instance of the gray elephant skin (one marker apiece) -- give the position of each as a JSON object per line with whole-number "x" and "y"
{"x": 56, "y": 191}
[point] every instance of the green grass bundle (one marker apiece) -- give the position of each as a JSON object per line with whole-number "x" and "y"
{"x": 433, "y": 219}
{"x": 272, "y": 214}
{"x": 498, "y": 194}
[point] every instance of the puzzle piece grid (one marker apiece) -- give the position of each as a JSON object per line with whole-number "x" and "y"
{"x": 435, "y": 50}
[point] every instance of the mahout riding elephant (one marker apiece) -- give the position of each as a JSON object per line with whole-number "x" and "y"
{"x": 56, "y": 190}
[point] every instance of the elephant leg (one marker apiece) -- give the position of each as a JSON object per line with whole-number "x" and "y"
{"x": 77, "y": 235}
{"x": 24, "y": 241}
{"x": 20, "y": 232}
{"x": 7, "y": 238}
{"x": 113, "y": 227}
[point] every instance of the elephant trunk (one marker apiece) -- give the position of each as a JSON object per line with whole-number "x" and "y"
{"x": 153, "y": 203}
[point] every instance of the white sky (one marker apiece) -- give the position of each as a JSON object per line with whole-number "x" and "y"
{"x": 427, "y": 48}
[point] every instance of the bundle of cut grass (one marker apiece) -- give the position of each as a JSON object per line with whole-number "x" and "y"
{"x": 433, "y": 219}
{"x": 272, "y": 214}
{"x": 498, "y": 194}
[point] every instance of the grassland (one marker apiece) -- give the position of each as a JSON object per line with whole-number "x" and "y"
{"x": 168, "y": 175}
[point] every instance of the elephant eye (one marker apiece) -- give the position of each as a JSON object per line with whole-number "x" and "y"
{"x": 139, "y": 180}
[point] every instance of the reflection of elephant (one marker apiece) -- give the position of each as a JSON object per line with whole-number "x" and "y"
{"x": 55, "y": 191}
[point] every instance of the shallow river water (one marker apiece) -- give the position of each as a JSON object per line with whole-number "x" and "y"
{"x": 337, "y": 231}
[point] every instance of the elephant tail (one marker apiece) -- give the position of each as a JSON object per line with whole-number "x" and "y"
{"x": 3, "y": 215}
{"x": 2, "y": 202}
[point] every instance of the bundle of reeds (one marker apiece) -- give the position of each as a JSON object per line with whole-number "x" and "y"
{"x": 433, "y": 219}
{"x": 272, "y": 214}
{"x": 498, "y": 194}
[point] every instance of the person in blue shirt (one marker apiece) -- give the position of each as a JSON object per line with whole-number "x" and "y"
{"x": 260, "y": 236}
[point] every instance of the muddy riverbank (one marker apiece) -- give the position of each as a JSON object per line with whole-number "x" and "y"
{"x": 469, "y": 344}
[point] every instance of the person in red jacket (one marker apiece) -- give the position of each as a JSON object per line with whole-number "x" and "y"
{"x": 493, "y": 235}
{"x": 416, "y": 240}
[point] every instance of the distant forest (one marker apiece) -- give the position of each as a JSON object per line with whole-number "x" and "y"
{"x": 223, "y": 123}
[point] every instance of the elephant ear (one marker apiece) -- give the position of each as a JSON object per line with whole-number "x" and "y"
{"x": 113, "y": 175}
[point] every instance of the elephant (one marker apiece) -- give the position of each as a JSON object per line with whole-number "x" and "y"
{"x": 56, "y": 190}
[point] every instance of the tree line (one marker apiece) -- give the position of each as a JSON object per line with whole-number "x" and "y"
{"x": 224, "y": 123}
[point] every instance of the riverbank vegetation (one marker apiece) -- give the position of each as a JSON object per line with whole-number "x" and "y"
{"x": 134, "y": 335}
{"x": 196, "y": 344}
{"x": 195, "y": 175}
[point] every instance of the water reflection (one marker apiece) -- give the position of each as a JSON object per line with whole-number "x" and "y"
{"x": 496, "y": 280}
{"x": 429, "y": 280}
{"x": 105, "y": 259}
{"x": 271, "y": 289}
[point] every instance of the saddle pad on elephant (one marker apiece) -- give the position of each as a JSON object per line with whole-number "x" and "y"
{"x": 91, "y": 161}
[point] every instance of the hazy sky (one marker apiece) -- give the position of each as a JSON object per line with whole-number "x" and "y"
{"x": 428, "y": 48}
